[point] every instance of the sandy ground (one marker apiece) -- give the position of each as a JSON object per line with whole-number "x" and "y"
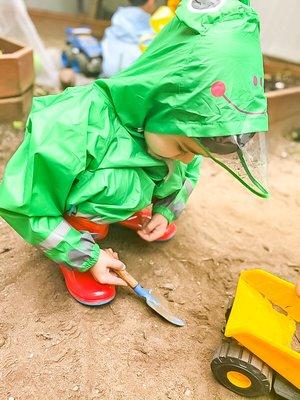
{"x": 51, "y": 347}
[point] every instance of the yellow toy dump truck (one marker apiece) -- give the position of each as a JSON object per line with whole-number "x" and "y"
{"x": 258, "y": 352}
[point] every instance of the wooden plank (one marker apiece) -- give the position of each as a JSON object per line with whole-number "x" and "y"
{"x": 52, "y": 25}
{"x": 274, "y": 66}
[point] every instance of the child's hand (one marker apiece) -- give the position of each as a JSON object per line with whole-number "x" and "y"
{"x": 102, "y": 271}
{"x": 298, "y": 288}
{"x": 153, "y": 228}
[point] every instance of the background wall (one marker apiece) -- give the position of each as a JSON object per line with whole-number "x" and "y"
{"x": 71, "y": 6}
{"x": 280, "y": 22}
{"x": 54, "y": 5}
{"x": 280, "y": 27}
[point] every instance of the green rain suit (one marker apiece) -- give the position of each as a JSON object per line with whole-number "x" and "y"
{"x": 84, "y": 151}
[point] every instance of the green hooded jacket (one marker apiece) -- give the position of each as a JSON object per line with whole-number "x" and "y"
{"x": 84, "y": 151}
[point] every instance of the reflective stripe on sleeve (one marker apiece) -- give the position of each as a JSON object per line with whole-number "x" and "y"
{"x": 189, "y": 186}
{"x": 56, "y": 236}
{"x": 79, "y": 256}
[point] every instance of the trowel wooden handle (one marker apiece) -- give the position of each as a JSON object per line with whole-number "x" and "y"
{"x": 127, "y": 277}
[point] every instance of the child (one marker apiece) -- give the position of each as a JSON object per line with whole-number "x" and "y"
{"x": 98, "y": 154}
{"x": 121, "y": 40}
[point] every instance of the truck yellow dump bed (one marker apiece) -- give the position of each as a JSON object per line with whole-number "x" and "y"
{"x": 263, "y": 319}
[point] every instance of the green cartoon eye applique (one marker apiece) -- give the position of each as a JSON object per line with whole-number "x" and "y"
{"x": 218, "y": 89}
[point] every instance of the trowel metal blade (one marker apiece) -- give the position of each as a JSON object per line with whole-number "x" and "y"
{"x": 160, "y": 305}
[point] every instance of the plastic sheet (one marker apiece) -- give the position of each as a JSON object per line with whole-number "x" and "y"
{"x": 15, "y": 23}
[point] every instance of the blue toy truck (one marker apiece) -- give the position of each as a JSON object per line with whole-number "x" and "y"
{"x": 83, "y": 52}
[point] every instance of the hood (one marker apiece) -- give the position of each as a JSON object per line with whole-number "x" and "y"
{"x": 129, "y": 24}
{"x": 201, "y": 77}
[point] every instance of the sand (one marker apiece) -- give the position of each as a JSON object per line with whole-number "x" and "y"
{"x": 51, "y": 347}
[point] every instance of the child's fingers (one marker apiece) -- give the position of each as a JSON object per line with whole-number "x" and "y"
{"x": 151, "y": 226}
{"x": 108, "y": 251}
{"x": 143, "y": 235}
{"x": 154, "y": 235}
{"x": 112, "y": 253}
{"x": 145, "y": 226}
{"x": 112, "y": 279}
{"x": 145, "y": 222}
{"x": 116, "y": 264}
{"x": 117, "y": 281}
{"x": 147, "y": 229}
{"x": 298, "y": 288}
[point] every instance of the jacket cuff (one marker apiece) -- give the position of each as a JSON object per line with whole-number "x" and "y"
{"x": 166, "y": 212}
{"x": 92, "y": 260}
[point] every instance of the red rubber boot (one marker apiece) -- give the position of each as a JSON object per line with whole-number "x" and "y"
{"x": 135, "y": 222}
{"x": 82, "y": 285}
{"x": 99, "y": 231}
{"x": 85, "y": 289}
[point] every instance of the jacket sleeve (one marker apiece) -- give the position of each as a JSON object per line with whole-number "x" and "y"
{"x": 38, "y": 179}
{"x": 172, "y": 206}
{"x": 56, "y": 238}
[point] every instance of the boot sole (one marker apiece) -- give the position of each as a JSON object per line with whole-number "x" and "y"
{"x": 92, "y": 304}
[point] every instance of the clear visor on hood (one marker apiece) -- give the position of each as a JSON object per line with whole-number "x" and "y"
{"x": 244, "y": 156}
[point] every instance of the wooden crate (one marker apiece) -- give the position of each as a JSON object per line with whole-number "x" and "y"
{"x": 16, "y": 68}
{"x": 16, "y": 108}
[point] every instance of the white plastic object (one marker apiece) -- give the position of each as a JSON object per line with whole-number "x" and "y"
{"x": 15, "y": 23}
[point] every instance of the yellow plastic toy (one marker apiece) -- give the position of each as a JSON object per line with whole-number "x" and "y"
{"x": 162, "y": 16}
{"x": 173, "y": 4}
{"x": 256, "y": 354}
